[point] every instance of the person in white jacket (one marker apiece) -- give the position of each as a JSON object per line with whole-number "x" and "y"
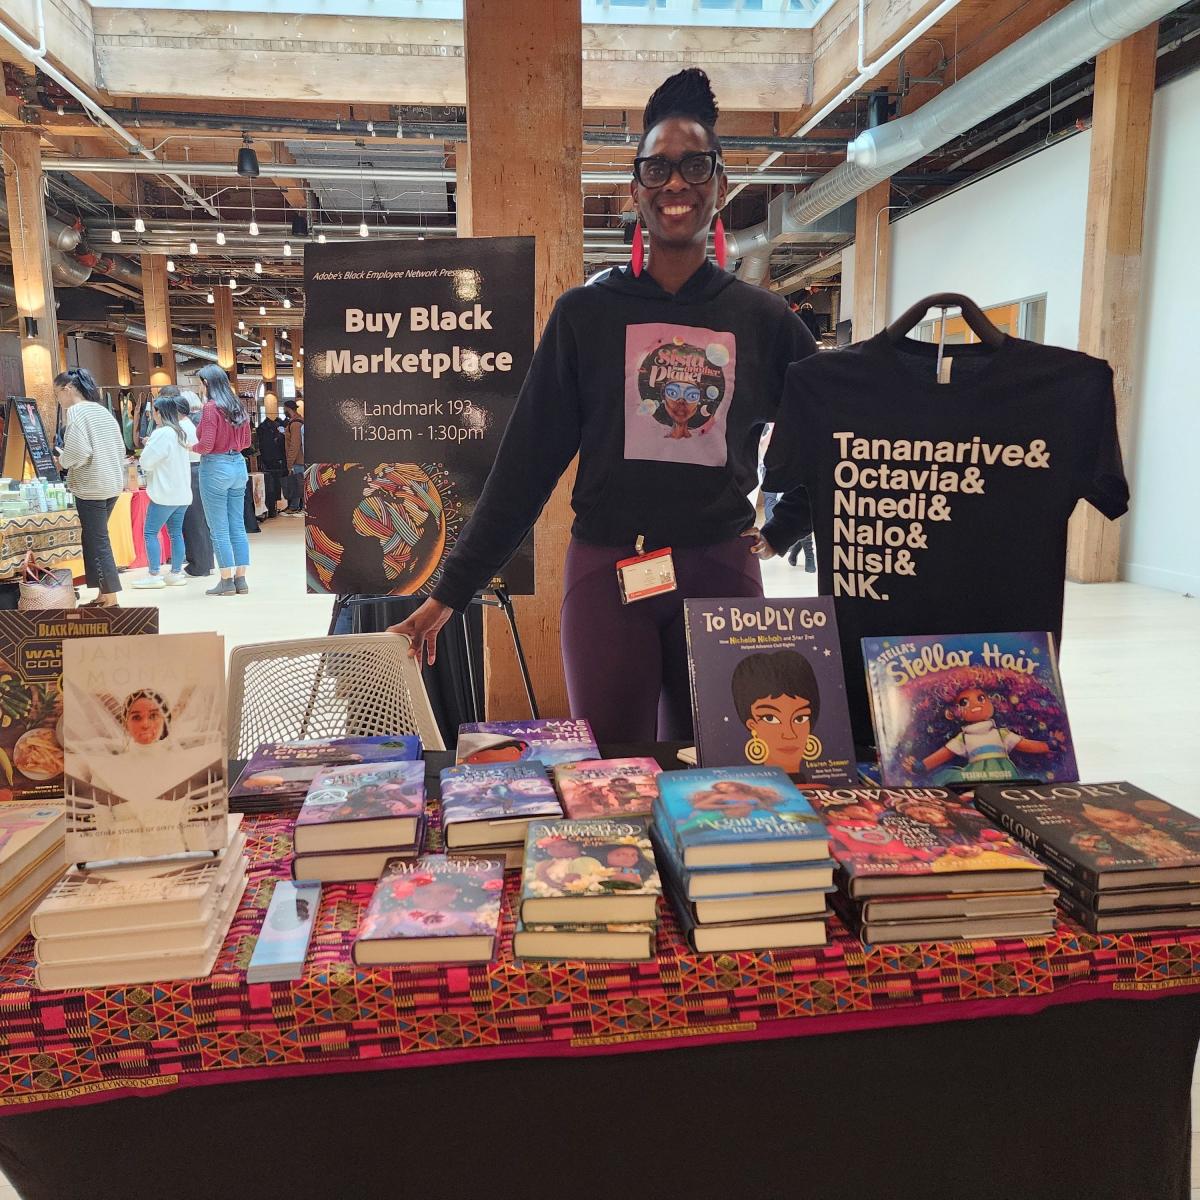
{"x": 167, "y": 466}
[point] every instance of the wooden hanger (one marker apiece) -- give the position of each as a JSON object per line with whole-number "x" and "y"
{"x": 974, "y": 316}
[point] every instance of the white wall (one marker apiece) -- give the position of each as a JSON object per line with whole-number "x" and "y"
{"x": 1161, "y": 546}
{"x": 1016, "y": 234}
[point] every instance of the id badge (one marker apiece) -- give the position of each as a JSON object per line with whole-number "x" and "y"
{"x": 646, "y": 575}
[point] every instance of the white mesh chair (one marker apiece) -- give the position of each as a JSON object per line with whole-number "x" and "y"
{"x": 358, "y": 684}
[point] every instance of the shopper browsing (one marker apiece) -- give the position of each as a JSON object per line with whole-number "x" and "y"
{"x": 293, "y": 440}
{"x": 223, "y": 433}
{"x": 661, "y": 379}
{"x": 93, "y": 456}
{"x": 167, "y": 467}
{"x": 197, "y": 540}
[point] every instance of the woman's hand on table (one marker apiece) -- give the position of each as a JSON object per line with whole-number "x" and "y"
{"x": 759, "y": 547}
{"x": 422, "y": 629}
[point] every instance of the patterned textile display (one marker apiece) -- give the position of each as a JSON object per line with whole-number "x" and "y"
{"x": 96, "y": 1044}
{"x": 52, "y": 536}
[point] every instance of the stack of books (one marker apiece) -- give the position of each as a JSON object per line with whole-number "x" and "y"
{"x": 486, "y": 809}
{"x": 589, "y": 891}
{"x": 140, "y": 922}
{"x": 921, "y": 865}
{"x": 32, "y": 858}
{"x": 354, "y": 819}
{"x": 1123, "y": 859}
{"x": 277, "y": 776}
{"x": 607, "y": 787}
{"x": 745, "y": 859}
{"x": 432, "y": 909}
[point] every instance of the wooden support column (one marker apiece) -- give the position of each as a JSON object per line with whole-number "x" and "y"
{"x": 34, "y": 286}
{"x": 872, "y": 258}
{"x": 124, "y": 369}
{"x": 226, "y": 346}
{"x": 64, "y": 350}
{"x": 1112, "y": 262}
{"x": 157, "y": 305}
{"x": 297, "y": 337}
{"x": 270, "y": 395}
{"x": 522, "y": 177}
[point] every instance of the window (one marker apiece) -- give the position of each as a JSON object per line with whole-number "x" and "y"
{"x": 1019, "y": 318}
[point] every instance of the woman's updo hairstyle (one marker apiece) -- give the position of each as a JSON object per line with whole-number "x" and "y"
{"x": 687, "y": 94}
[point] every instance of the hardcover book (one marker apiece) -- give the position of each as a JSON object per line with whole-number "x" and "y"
{"x": 957, "y": 710}
{"x": 286, "y": 931}
{"x": 585, "y": 943}
{"x": 482, "y": 805}
{"x": 914, "y": 841}
{"x": 1129, "y": 921}
{"x": 283, "y": 770}
{"x": 1108, "y": 835}
{"x": 1182, "y": 896}
{"x": 144, "y": 730}
{"x": 768, "y": 687}
{"x": 353, "y": 866}
{"x": 614, "y": 787}
{"x": 27, "y": 832}
{"x": 546, "y": 741}
{"x": 723, "y": 816}
{"x": 729, "y": 937}
{"x": 434, "y": 909}
{"x": 599, "y": 870}
{"x": 358, "y": 807}
{"x": 31, "y": 706}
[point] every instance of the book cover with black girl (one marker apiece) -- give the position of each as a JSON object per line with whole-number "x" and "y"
{"x": 768, "y": 688}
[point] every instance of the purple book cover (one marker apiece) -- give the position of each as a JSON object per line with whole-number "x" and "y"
{"x": 497, "y": 793}
{"x": 287, "y": 768}
{"x": 435, "y": 896}
{"x": 545, "y": 741}
{"x": 768, "y": 687}
{"x": 366, "y": 792}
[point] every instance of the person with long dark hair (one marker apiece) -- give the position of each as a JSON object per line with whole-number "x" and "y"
{"x": 93, "y": 456}
{"x": 168, "y": 471}
{"x": 197, "y": 540}
{"x": 661, "y": 377}
{"x": 223, "y": 433}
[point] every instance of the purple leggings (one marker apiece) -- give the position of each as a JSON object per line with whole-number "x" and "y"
{"x": 627, "y": 665}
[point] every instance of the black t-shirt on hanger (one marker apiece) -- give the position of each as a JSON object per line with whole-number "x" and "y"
{"x": 943, "y": 507}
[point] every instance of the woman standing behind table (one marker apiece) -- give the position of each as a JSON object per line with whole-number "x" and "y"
{"x": 223, "y": 433}
{"x": 662, "y": 379}
{"x": 168, "y": 470}
{"x": 93, "y": 456}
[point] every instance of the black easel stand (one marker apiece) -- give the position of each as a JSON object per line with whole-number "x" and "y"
{"x": 502, "y": 600}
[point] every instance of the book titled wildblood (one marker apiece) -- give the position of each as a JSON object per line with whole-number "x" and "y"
{"x": 282, "y": 770}
{"x": 613, "y": 787}
{"x": 768, "y": 687}
{"x": 598, "y": 870}
{"x": 915, "y": 841}
{"x": 31, "y": 706}
{"x": 957, "y": 710}
{"x": 485, "y": 805}
{"x": 546, "y": 741}
{"x": 434, "y": 909}
{"x": 737, "y": 816}
{"x": 144, "y": 732}
{"x": 351, "y": 808}
{"x": 1107, "y": 835}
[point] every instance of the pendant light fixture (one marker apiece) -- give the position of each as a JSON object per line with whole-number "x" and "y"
{"x": 321, "y": 238}
{"x": 211, "y": 298}
{"x": 170, "y": 266}
{"x": 232, "y": 282}
{"x": 287, "y": 249}
{"x": 247, "y": 160}
{"x": 257, "y": 268}
{"x": 220, "y": 237}
{"x": 287, "y": 302}
{"x": 139, "y": 226}
{"x": 262, "y": 310}
{"x": 241, "y": 326}
{"x": 192, "y": 247}
{"x": 116, "y": 236}
{"x": 363, "y": 231}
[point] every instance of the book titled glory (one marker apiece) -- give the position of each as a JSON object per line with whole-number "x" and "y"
{"x": 433, "y": 909}
{"x": 545, "y": 741}
{"x": 1107, "y": 835}
{"x": 768, "y": 687}
{"x": 598, "y": 870}
{"x": 911, "y": 841}
{"x": 958, "y": 710}
{"x": 370, "y": 805}
{"x": 485, "y": 805}
{"x": 721, "y": 816}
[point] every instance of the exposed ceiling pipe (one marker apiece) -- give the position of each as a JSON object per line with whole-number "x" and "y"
{"x": 755, "y": 266}
{"x": 37, "y": 56}
{"x": 138, "y": 333}
{"x": 62, "y": 236}
{"x": 1076, "y": 33}
{"x": 67, "y": 270}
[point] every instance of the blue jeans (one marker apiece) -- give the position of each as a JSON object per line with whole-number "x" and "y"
{"x": 170, "y": 515}
{"x": 223, "y": 492}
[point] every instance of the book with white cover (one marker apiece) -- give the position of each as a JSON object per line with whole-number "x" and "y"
{"x": 144, "y": 968}
{"x": 170, "y": 892}
{"x": 144, "y": 741}
{"x": 27, "y": 831}
{"x": 20, "y": 902}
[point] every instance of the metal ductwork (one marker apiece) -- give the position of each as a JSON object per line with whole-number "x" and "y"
{"x": 138, "y": 333}
{"x": 62, "y": 236}
{"x": 8, "y": 291}
{"x": 1079, "y": 32}
{"x": 67, "y": 270}
{"x": 124, "y": 269}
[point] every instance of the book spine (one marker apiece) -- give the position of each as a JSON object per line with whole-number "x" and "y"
{"x": 1078, "y": 911}
{"x": 1066, "y": 882}
{"x": 1031, "y": 838}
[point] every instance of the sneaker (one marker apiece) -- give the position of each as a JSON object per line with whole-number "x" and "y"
{"x": 151, "y": 581}
{"x": 176, "y": 579}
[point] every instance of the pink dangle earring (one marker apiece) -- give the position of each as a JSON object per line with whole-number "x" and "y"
{"x": 719, "y": 247}
{"x": 637, "y": 255}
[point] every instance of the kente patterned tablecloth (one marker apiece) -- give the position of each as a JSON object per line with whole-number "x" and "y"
{"x": 95, "y": 1044}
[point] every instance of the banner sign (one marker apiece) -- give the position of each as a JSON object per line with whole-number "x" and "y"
{"x": 415, "y": 352}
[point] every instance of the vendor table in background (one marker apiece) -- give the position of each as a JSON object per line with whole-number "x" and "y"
{"x": 52, "y": 536}
{"x": 846, "y": 1070}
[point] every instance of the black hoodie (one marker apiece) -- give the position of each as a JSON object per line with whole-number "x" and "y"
{"x": 663, "y": 397}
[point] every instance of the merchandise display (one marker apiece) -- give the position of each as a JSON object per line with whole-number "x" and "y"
{"x": 362, "y": 807}
{"x": 615, "y": 787}
{"x": 492, "y": 805}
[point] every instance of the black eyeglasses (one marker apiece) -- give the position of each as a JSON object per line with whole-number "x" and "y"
{"x": 695, "y": 168}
